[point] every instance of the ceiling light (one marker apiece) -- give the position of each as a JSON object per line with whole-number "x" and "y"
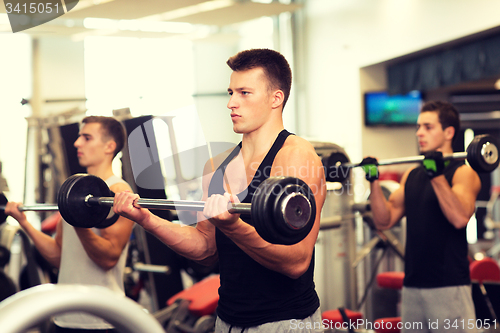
{"x": 99, "y": 23}
{"x": 138, "y": 25}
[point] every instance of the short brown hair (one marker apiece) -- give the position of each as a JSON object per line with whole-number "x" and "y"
{"x": 447, "y": 114}
{"x": 111, "y": 128}
{"x": 274, "y": 64}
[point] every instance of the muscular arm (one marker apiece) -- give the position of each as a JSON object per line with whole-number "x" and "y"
{"x": 49, "y": 247}
{"x": 386, "y": 213}
{"x": 195, "y": 243}
{"x": 458, "y": 202}
{"x": 105, "y": 249}
{"x": 297, "y": 160}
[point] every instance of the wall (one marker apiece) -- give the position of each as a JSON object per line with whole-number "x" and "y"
{"x": 343, "y": 36}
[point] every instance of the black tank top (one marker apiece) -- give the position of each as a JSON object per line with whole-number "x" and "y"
{"x": 251, "y": 294}
{"x": 436, "y": 252}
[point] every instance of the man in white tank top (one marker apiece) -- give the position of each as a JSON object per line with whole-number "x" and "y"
{"x": 88, "y": 256}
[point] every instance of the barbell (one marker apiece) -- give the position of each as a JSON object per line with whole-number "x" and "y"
{"x": 481, "y": 154}
{"x": 283, "y": 209}
{"x": 38, "y": 207}
{"x": 110, "y": 218}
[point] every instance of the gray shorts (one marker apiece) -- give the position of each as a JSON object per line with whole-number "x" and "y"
{"x": 311, "y": 324}
{"x": 447, "y": 309}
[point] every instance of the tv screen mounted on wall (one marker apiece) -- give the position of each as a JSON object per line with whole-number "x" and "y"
{"x": 382, "y": 109}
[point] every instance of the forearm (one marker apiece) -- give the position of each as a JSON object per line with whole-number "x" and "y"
{"x": 458, "y": 212}
{"x": 197, "y": 244}
{"x": 103, "y": 252}
{"x": 45, "y": 244}
{"x": 379, "y": 206}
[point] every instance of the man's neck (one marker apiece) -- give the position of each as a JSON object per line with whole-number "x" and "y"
{"x": 103, "y": 171}
{"x": 260, "y": 141}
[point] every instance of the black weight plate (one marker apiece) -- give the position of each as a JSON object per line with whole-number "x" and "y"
{"x": 334, "y": 172}
{"x": 482, "y": 153}
{"x": 295, "y": 209}
{"x": 267, "y": 213}
{"x": 111, "y": 217}
{"x": 61, "y": 195}
{"x": 71, "y": 201}
{"x": 260, "y": 214}
{"x": 268, "y": 225}
{"x": 3, "y": 202}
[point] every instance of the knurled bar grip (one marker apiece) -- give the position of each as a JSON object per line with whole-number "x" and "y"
{"x": 161, "y": 204}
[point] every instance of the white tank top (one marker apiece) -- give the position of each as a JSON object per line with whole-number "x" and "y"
{"x": 77, "y": 268}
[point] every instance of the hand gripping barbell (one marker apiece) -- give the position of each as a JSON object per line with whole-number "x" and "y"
{"x": 283, "y": 209}
{"x": 482, "y": 155}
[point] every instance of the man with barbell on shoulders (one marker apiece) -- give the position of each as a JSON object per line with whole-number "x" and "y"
{"x": 84, "y": 255}
{"x": 438, "y": 199}
{"x": 265, "y": 287}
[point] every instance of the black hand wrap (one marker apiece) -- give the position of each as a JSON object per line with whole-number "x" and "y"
{"x": 433, "y": 163}
{"x": 369, "y": 166}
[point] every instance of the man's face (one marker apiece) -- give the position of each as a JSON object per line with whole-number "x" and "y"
{"x": 430, "y": 133}
{"x": 91, "y": 146}
{"x": 250, "y": 102}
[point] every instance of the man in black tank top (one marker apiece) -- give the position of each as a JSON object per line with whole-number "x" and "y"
{"x": 438, "y": 199}
{"x": 264, "y": 287}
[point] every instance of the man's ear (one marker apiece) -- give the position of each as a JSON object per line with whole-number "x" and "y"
{"x": 278, "y": 98}
{"x": 449, "y": 132}
{"x": 110, "y": 147}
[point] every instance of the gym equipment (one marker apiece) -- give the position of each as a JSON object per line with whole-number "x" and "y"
{"x": 40, "y": 302}
{"x": 192, "y": 309}
{"x": 283, "y": 209}
{"x": 110, "y": 218}
{"x": 481, "y": 154}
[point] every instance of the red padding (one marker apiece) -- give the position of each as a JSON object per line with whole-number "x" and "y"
{"x": 50, "y": 223}
{"x": 486, "y": 269}
{"x": 334, "y": 316}
{"x": 392, "y": 280}
{"x": 203, "y": 295}
{"x": 387, "y": 325}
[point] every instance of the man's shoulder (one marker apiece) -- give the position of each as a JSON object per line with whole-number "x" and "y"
{"x": 297, "y": 144}
{"x": 117, "y": 184}
{"x": 297, "y": 150}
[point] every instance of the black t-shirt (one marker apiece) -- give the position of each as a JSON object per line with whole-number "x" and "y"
{"x": 436, "y": 252}
{"x": 251, "y": 294}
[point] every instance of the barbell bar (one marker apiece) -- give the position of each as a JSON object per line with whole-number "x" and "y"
{"x": 36, "y": 207}
{"x": 481, "y": 154}
{"x": 283, "y": 209}
{"x": 110, "y": 219}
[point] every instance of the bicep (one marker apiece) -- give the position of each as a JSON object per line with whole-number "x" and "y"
{"x": 466, "y": 186}
{"x": 397, "y": 205}
{"x": 119, "y": 232}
